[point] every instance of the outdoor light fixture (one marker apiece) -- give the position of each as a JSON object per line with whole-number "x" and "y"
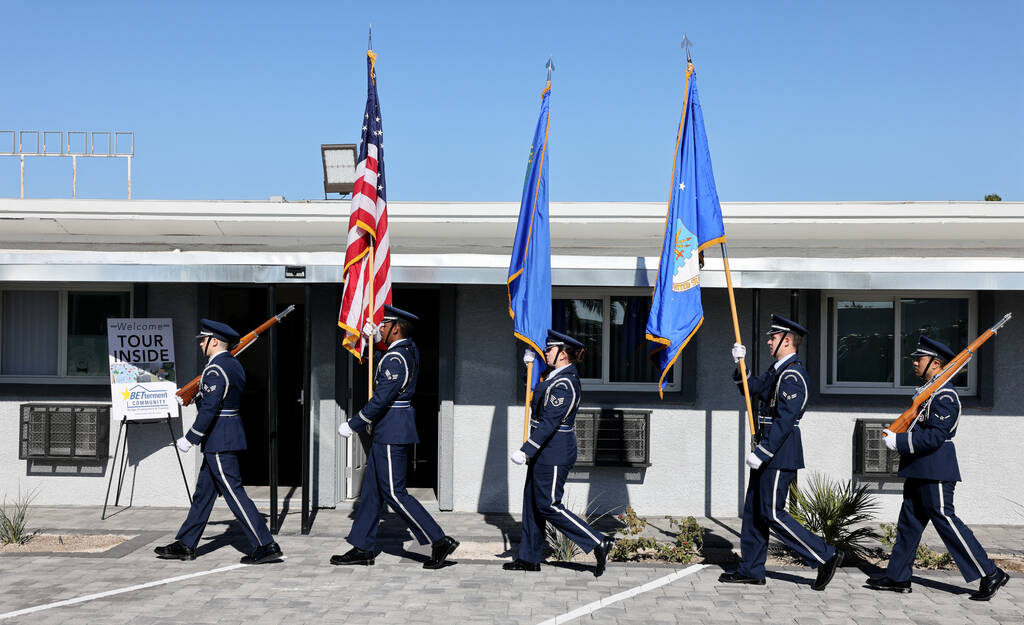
{"x": 339, "y": 167}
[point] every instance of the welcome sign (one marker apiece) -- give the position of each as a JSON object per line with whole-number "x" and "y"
{"x": 142, "y": 375}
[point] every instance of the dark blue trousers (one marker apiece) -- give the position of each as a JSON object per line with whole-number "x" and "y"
{"x": 765, "y": 509}
{"x": 542, "y": 504}
{"x": 219, "y": 474}
{"x": 385, "y": 482}
{"x": 928, "y": 500}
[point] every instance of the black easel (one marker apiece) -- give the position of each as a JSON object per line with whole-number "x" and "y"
{"x": 124, "y": 461}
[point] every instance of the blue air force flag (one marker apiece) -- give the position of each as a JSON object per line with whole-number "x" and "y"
{"x": 529, "y": 272}
{"x": 694, "y": 222}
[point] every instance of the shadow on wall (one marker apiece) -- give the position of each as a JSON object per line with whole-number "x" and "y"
{"x": 608, "y": 493}
{"x": 494, "y": 493}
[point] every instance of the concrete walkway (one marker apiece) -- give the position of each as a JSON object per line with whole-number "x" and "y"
{"x": 129, "y": 585}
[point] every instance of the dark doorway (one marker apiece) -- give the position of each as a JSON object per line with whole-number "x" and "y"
{"x": 245, "y": 308}
{"x": 425, "y": 304}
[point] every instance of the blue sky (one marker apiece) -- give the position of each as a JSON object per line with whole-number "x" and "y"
{"x": 803, "y": 101}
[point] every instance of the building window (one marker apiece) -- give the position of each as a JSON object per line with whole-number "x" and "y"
{"x": 869, "y": 337}
{"x": 613, "y": 328}
{"x": 57, "y": 335}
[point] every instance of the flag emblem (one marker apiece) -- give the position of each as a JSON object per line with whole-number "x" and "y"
{"x": 686, "y": 269}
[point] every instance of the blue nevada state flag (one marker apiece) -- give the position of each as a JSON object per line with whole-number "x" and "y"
{"x": 694, "y": 222}
{"x": 529, "y": 272}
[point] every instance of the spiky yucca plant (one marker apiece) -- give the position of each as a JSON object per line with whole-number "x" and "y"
{"x": 14, "y": 518}
{"x": 834, "y": 510}
{"x": 563, "y": 549}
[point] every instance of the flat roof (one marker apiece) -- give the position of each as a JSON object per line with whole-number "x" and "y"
{"x": 859, "y": 245}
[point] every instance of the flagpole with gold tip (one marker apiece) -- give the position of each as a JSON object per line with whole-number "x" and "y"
{"x": 373, "y": 270}
{"x": 686, "y": 45}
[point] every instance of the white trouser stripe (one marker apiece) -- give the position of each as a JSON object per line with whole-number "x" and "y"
{"x": 942, "y": 509}
{"x": 391, "y": 486}
{"x": 775, "y": 492}
{"x": 561, "y": 508}
{"x": 235, "y": 497}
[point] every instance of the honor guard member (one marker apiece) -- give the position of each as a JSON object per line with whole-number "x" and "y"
{"x": 928, "y": 462}
{"x": 550, "y": 452}
{"x": 393, "y": 421}
{"x": 774, "y": 461}
{"x": 218, "y": 429}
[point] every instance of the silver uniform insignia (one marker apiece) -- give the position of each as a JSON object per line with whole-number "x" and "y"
{"x": 942, "y": 417}
{"x": 389, "y": 375}
{"x": 209, "y": 389}
{"x": 789, "y": 396}
{"x": 557, "y": 401}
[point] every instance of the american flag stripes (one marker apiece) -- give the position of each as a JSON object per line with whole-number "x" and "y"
{"x": 367, "y": 229}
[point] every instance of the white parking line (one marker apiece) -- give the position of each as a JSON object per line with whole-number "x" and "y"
{"x": 100, "y": 595}
{"x": 626, "y": 594}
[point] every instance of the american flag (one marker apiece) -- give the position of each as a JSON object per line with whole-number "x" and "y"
{"x": 367, "y": 227}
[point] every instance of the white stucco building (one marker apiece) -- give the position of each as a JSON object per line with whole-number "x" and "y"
{"x": 865, "y": 278}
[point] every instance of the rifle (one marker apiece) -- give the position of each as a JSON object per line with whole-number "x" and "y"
{"x": 951, "y": 369}
{"x": 188, "y": 392}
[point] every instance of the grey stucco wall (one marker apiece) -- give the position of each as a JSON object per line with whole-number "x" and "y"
{"x": 152, "y": 476}
{"x": 697, "y": 450}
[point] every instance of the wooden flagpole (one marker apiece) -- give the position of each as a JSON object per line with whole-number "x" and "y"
{"x": 529, "y": 400}
{"x": 736, "y": 329}
{"x": 369, "y": 339}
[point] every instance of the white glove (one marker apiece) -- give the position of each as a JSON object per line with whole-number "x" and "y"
{"x": 889, "y": 439}
{"x": 369, "y": 329}
{"x": 183, "y": 445}
{"x": 753, "y": 461}
{"x": 529, "y": 356}
{"x": 738, "y": 351}
{"x": 177, "y": 398}
{"x": 344, "y": 429}
{"x": 518, "y": 457}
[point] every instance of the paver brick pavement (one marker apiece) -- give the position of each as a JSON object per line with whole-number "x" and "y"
{"x": 305, "y": 588}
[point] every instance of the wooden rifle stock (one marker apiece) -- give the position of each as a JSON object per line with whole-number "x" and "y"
{"x": 951, "y": 369}
{"x": 188, "y": 392}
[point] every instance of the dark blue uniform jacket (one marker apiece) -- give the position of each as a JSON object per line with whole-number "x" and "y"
{"x": 926, "y": 449}
{"x": 390, "y": 410}
{"x": 218, "y": 425}
{"x": 552, "y": 439}
{"x": 782, "y": 394}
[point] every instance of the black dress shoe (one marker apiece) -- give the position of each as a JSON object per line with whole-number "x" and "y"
{"x": 601, "y": 552}
{"x": 175, "y": 551}
{"x": 736, "y": 578}
{"x": 827, "y": 570}
{"x": 355, "y": 555}
{"x": 265, "y": 553}
{"x": 884, "y": 583}
{"x": 521, "y": 565}
{"x": 441, "y": 549}
{"x": 990, "y": 584}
